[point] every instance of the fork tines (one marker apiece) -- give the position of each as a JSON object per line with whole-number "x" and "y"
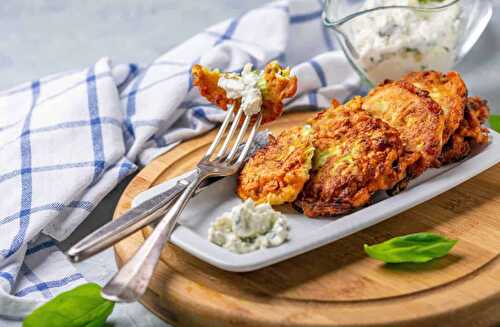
{"x": 228, "y": 156}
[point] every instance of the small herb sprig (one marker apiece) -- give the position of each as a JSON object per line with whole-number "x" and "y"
{"x": 82, "y": 306}
{"x": 419, "y": 247}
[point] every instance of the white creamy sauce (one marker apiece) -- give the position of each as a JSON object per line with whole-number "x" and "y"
{"x": 244, "y": 87}
{"x": 249, "y": 227}
{"x": 393, "y": 42}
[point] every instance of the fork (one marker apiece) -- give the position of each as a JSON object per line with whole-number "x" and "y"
{"x": 131, "y": 281}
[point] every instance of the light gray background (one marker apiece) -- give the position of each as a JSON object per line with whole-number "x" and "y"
{"x": 50, "y": 36}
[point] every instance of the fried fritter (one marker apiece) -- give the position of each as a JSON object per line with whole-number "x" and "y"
{"x": 469, "y": 133}
{"x": 356, "y": 155}
{"x": 277, "y": 173}
{"x": 448, "y": 90}
{"x": 419, "y": 120}
{"x": 276, "y": 84}
{"x": 476, "y": 113}
{"x": 454, "y": 150}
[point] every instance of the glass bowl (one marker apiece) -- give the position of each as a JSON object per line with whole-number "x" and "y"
{"x": 383, "y": 39}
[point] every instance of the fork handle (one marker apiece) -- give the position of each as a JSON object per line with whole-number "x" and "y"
{"x": 130, "y": 222}
{"x": 131, "y": 281}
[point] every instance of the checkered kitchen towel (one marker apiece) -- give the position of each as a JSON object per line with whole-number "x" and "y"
{"x": 67, "y": 140}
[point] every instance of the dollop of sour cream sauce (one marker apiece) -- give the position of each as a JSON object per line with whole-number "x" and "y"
{"x": 244, "y": 87}
{"x": 249, "y": 227}
{"x": 393, "y": 42}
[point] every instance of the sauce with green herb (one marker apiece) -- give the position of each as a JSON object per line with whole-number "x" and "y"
{"x": 393, "y": 42}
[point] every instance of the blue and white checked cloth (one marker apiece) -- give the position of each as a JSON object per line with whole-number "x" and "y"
{"x": 67, "y": 140}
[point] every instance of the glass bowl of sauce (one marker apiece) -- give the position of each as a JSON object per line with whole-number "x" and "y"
{"x": 385, "y": 39}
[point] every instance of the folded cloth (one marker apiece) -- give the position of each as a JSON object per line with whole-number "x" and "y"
{"x": 67, "y": 140}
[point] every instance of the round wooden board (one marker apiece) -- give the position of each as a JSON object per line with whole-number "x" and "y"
{"x": 336, "y": 285}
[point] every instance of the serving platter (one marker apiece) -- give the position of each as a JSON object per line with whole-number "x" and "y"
{"x": 306, "y": 233}
{"x": 334, "y": 283}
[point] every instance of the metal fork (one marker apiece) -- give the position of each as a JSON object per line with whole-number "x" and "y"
{"x": 130, "y": 283}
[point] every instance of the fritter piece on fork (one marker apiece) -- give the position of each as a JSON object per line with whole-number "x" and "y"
{"x": 277, "y": 173}
{"x": 356, "y": 155}
{"x": 419, "y": 120}
{"x": 469, "y": 133}
{"x": 448, "y": 90}
{"x": 275, "y": 84}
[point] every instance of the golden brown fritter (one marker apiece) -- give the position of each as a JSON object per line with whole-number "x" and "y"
{"x": 206, "y": 80}
{"x": 469, "y": 133}
{"x": 448, "y": 90}
{"x": 276, "y": 85}
{"x": 476, "y": 113}
{"x": 454, "y": 150}
{"x": 277, "y": 173}
{"x": 355, "y": 156}
{"x": 419, "y": 120}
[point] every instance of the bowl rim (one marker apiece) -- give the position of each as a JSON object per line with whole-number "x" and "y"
{"x": 340, "y": 21}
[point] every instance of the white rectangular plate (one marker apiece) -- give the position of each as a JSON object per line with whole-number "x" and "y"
{"x": 305, "y": 233}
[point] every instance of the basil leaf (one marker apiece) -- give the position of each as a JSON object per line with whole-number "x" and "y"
{"x": 495, "y": 122}
{"x": 419, "y": 247}
{"x": 82, "y": 306}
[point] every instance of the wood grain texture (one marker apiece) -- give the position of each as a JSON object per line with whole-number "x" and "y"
{"x": 337, "y": 285}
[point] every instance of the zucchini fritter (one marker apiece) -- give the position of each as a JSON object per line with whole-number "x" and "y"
{"x": 469, "y": 133}
{"x": 277, "y": 173}
{"x": 476, "y": 113}
{"x": 276, "y": 84}
{"x": 419, "y": 120}
{"x": 356, "y": 155}
{"x": 448, "y": 90}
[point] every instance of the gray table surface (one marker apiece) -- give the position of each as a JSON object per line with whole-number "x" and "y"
{"x": 37, "y": 37}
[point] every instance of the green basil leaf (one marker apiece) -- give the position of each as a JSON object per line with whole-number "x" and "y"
{"x": 82, "y": 306}
{"x": 495, "y": 122}
{"x": 419, "y": 247}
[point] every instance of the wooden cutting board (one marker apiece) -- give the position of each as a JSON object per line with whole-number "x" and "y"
{"x": 336, "y": 285}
